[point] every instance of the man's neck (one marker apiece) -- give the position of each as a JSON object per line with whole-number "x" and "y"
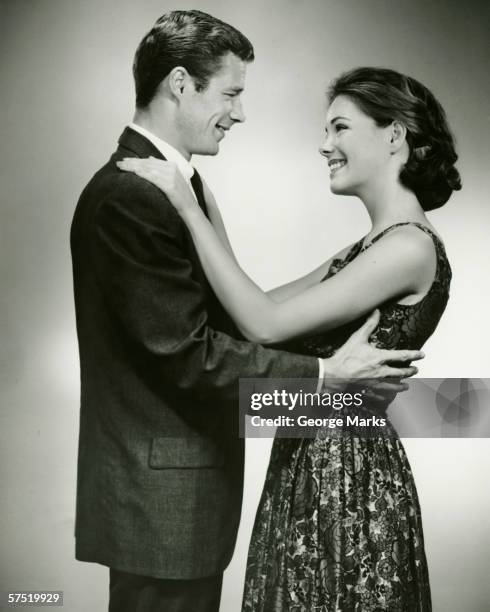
{"x": 165, "y": 130}
{"x": 168, "y": 152}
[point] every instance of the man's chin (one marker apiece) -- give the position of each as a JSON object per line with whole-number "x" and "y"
{"x": 209, "y": 150}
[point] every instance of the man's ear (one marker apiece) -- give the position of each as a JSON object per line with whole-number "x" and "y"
{"x": 178, "y": 80}
{"x": 398, "y": 136}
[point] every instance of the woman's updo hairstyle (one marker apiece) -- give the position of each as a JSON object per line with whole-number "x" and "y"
{"x": 385, "y": 96}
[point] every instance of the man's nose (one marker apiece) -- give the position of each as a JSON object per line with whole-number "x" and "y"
{"x": 237, "y": 113}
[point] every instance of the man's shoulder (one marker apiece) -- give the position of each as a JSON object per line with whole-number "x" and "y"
{"x": 124, "y": 191}
{"x": 110, "y": 180}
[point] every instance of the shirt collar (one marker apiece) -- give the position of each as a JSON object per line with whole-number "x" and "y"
{"x": 167, "y": 150}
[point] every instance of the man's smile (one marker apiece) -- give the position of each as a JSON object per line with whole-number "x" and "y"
{"x": 222, "y": 129}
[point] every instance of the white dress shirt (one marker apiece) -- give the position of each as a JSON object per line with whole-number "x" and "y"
{"x": 168, "y": 151}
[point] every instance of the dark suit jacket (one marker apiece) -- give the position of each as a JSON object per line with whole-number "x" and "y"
{"x": 160, "y": 467}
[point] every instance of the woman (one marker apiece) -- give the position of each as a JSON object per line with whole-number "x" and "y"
{"x": 339, "y": 524}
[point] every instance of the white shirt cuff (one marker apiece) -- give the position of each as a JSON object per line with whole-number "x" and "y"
{"x": 321, "y": 375}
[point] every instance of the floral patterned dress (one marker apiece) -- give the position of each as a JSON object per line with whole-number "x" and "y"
{"x": 338, "y": 528}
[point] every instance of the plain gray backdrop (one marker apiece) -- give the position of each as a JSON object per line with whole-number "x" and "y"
{"x": 67, "y": 93}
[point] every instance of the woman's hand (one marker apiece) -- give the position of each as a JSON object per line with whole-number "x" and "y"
{"x": 167, "y": 177}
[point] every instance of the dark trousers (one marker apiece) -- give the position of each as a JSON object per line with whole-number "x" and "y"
{"x": 132, "y": 593}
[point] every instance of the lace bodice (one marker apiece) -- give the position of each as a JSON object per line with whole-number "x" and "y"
{"x": 401, "y": 326}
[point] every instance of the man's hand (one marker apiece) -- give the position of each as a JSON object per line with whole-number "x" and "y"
{"x": 357, "y": 359}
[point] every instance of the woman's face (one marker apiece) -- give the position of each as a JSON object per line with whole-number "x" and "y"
{"x": 358, "y": 150}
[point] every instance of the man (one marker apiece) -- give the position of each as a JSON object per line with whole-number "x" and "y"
{"x": 160, "y": 468}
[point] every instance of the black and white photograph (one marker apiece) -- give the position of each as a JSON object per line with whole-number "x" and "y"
{"x": 211, "y": 214}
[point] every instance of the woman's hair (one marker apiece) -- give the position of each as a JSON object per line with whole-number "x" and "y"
{"x": 385, "y": 96}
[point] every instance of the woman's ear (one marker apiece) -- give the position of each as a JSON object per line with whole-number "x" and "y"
{"x": 398, "y": 136}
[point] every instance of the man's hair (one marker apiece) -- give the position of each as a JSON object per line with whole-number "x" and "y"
{"x": 191, "y": 39}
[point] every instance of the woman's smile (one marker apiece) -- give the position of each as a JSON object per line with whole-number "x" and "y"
{"x": 335, "y": 165}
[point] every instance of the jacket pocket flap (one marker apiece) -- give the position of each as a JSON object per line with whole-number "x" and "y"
{"x": 184, "y": 453}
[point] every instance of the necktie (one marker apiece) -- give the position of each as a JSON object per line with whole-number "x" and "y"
{"x": 197, "y": 186}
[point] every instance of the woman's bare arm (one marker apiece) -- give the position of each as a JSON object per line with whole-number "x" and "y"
{"x": 216, "y": 219}
{"x": 282, "y": 292}
{"x": 400, "y": 264}
{"x": 392, "y": 268}
{"x": 299, "y": 285}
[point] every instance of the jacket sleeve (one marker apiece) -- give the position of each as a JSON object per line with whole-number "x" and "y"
{"x": 140, "y": 250}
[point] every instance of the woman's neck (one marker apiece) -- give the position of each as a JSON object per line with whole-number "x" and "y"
{"x": 390, "y": 204}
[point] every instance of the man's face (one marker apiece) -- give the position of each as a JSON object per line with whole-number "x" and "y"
{"x": 204, "y": 116}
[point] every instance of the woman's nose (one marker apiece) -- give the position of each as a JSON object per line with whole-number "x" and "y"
{"x": 325, "y": 148}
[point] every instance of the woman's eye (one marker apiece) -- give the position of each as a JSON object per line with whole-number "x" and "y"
{"x": 339, "y": 127}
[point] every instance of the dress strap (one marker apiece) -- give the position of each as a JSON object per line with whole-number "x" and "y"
{"x": 421, "y": 226}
